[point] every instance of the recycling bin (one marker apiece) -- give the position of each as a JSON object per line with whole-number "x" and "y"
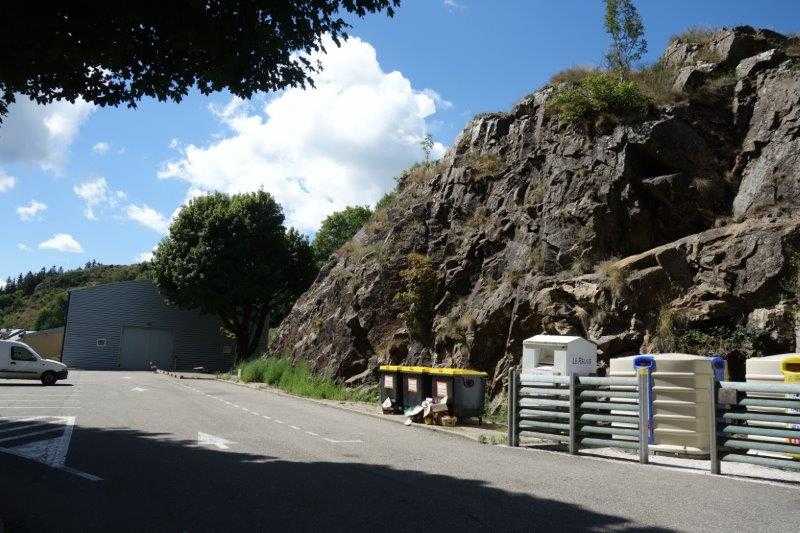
{"x": 391, "y": 387}
{"x": 464, "y": 389}
{"x": 780, "y": 368}
{"x": 679, "y": 396}
{"x": 416, "y": 385}
{"x": 790, "y": 368}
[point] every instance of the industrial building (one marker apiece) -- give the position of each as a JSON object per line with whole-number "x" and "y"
{"x": 127, "y": 325}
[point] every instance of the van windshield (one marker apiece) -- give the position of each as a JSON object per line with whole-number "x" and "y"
{"x": 18, "y": 353}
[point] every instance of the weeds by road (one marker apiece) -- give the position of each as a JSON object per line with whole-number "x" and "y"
{"x": 298, "y": 379}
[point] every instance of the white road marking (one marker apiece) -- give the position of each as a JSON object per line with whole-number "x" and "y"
{"x": 17, "y": 428}
{"x": 38, "y": 400}
{"x": 51, "y": 452}
{"x": 211, "y": 440}
{"x": 126, "y": 377}
{"x": 138, "y": 389}
{"x": 43, "y": 407}
{"x": 26, "y": 435}
{"x": 205, "y": 438}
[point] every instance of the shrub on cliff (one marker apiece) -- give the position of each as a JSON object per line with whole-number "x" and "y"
{"x": 597, "y": 94}
{"x": 418, "y": 298}
{"x": 338, "y": 228}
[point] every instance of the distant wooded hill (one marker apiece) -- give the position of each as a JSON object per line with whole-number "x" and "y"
{"x": 37, "y": 300}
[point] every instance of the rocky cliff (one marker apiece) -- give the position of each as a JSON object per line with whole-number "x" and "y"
{"x": 678, "y": 232}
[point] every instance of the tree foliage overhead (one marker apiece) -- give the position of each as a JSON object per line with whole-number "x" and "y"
{"x": 230, "y": 256}
{"x": 625, "y": 26}
{"x": 112, "y": 53}
{"x": 337, "y": 229}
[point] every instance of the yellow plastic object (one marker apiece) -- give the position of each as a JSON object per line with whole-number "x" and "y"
{"x": 790, "y": 368}
{"x": 450, "y": 372}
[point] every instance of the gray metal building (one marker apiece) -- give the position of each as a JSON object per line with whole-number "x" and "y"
{"x": 125, "y": 325}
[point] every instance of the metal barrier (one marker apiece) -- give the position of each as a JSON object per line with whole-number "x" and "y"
{"x": 756, "y": 423}
{"x": 581, "y": 411}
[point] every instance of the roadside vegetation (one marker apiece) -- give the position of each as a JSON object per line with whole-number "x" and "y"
{"x": 297, "y": 378}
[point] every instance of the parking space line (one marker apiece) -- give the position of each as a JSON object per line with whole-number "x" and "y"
{"x": 21, "y": 426}
{"x": 31, "y": 434}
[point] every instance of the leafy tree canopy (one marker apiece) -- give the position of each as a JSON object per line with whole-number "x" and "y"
{"x": 303, "y": 268}
{"x": 626, "y": 29}
{"x": 230, "y": 256}
{"x": 337, "y": 229}
{"x": 112, "y": 53}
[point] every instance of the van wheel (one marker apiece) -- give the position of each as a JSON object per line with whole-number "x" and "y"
{"x": 48, "y": 378}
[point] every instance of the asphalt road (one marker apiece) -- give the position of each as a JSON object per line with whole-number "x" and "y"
{"x": 139, "y": 451}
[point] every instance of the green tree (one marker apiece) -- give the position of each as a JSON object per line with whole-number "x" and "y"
{"x": 427, "y": 146}
{"x": 303, "y": 267}
{"x": 626, "y": 29}
{"x": 54, "y": 314}
{"x": 115, "y": 53}
{"x": 227, "y": 256}
{"x": 337, "y": 229}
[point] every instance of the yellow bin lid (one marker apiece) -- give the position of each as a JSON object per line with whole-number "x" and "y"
{"x": 450, "y": 372}
{"x": 790, "y": 368}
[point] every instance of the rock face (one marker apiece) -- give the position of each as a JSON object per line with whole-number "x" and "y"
{"x": 677, "y": 231}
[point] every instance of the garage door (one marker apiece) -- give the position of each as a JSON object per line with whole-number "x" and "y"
{"x": 140, "y": 345}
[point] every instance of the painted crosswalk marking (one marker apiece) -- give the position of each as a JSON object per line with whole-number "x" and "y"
{"x": 44, "y": 439}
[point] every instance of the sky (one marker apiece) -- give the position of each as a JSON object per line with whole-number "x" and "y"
{"x": 80, "y": 182}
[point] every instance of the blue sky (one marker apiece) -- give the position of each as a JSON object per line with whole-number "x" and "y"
{"x": 80, "y": 183}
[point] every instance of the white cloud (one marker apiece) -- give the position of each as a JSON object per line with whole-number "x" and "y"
{"x": 22, "y": 247}
{"x": 2, "y": 284}
{"x": 62, "y": 242}
{"x": 144, "y": 257}
{"x": 7, "y": 182}
{"x": 96, "y": 193}
{"x": 174, "y": 143}
{"x": 41, "y": 134}
{"x": 101, "y": 148}
{"x": 148, "y": 217}
{"x": 317, "y": 150}
{"x": 453, "y": 5}
{"x": 33, "y": 208}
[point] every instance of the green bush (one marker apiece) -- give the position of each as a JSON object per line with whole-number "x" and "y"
{"x": 598, "y": 94}
{"x": 419, "y": 296}
{"x": 298, "y": 379}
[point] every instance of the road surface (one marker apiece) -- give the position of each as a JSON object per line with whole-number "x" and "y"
{"x": 135, "y": 451}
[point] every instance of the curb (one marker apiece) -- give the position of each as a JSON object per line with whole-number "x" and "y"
{"x": 340, "y": 406}
{"x": 177, "y": 375}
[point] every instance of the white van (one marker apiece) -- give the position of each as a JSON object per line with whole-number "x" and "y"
{"x": 20, "y": 361}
